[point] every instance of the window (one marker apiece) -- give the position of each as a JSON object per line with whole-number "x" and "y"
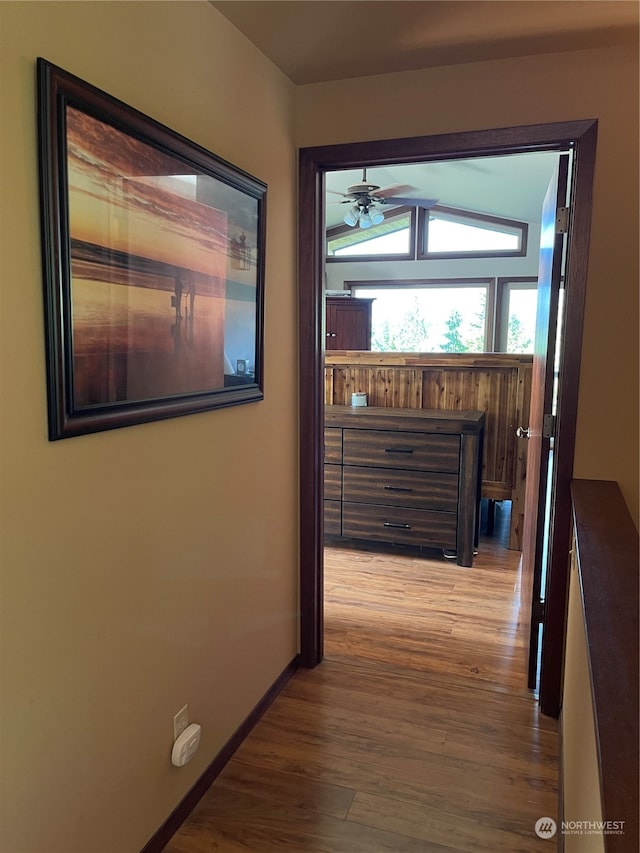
{"x": 451, "y": 315}
{"x": 516, "y": 323}
{"x": 431, "y": 317}
{"x": 393, "y": 238}
{"x": 450, "y": 233}
{"x": 444, "y": 232}
{"x": 394, "y": 242}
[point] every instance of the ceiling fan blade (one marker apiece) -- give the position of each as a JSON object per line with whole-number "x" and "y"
{"x": 394, "y": 189}
{"x": 335, "y": 192}
{"x": 411, "y": 202}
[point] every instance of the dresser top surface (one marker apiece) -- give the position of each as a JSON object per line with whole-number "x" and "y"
{"x": 419, "y": 420}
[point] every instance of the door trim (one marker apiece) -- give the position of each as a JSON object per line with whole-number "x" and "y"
{"x": 314, "y": 163}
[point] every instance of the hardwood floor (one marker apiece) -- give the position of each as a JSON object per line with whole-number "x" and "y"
{"x": 416, "y": 733}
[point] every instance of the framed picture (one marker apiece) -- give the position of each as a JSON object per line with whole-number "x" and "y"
{"x": 153, "y": 259}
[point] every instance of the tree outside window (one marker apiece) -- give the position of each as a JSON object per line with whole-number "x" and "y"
{"x": 428, "y": 319}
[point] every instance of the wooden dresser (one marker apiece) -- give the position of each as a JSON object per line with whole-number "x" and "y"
{"x": 404, "y": 476}
{"x": 497, "y": 383}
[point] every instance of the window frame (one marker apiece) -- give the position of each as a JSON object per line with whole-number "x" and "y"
{"x": 456, "y": 214}
{"x": 419, "y": 235}
{"x": 489, "y": 282}
{"x": 393, "y": 212}
{"x": 497, "y": 301}
{"x": 505, "y": 284}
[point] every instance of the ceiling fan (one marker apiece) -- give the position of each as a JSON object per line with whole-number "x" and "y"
{"x": 366, "y": 199}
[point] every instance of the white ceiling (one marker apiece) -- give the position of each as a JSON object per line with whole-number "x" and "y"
{"x": 511, "y": 186}
{"x": 319, "y": 40}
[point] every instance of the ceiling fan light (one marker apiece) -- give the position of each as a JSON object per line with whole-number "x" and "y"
{"x": 377, "y": 217}
{"x": 365, "y": 219}
{"x": 352, "y": 217}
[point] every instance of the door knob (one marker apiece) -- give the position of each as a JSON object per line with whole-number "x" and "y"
{"x": 522, "y": 432}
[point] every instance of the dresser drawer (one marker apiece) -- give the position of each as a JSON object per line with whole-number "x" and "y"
{"x": 395, "y": 487}
{"x": 332, "y": 518}
{"x": 412, "y": 450}
{"x": 333, "y": 482}
{"x": 333, "y": 445}
{"x": 399, "y": 525}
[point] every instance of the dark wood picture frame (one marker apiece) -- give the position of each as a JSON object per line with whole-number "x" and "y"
{"x": 153, "y": 259}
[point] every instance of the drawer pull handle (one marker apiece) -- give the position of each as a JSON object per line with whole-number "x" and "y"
{"x": 400, "y": 526}
{"x": 398, "y": 450}
{"x": 397, "y": 489}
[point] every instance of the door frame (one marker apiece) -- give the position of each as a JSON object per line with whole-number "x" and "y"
{"x": 313, "y": 164}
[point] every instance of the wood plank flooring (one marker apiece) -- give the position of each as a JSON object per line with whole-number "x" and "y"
{"x": 416, "y": 733}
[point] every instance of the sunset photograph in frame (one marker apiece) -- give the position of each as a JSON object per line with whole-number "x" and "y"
{"x": 153, "y": 253}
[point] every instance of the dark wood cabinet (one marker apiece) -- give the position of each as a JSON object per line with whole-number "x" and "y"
{"x": 404, "y": 476}
{"x": 348, "y": 323}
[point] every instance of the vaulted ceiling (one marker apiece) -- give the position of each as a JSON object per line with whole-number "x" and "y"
{"x": 511, "y": 186}
{"x": 318, "y": 40}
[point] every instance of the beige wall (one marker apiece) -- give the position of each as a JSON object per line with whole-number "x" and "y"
{"x": 154, "y": 565}
{"x": 600, "y": 84}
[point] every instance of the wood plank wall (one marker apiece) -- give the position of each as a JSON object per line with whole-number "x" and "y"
{"x": 496, "y": 383}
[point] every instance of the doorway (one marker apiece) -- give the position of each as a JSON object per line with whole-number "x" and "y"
{"x": 314, "y": 163}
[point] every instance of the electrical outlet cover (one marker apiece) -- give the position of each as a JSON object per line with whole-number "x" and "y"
{"x": 180, "y": 721}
